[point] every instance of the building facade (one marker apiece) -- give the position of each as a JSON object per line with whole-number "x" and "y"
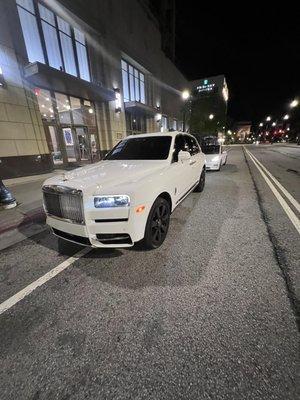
{"x": 78, "y": 76}
{"x": 209, "y": 106}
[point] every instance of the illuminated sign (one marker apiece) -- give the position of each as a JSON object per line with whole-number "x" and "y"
{"x": 205, "y": 87}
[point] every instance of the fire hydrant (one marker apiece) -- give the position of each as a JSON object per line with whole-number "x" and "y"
{"x": 7, "y": 200}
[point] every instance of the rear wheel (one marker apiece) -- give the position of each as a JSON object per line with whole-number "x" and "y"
{"x": 201, "y": 184}
{"x": 157, "y": 224}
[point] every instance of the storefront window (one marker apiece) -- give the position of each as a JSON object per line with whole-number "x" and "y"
{"x": 63, "y": 108}
{"x": 135, "y": 123}
{"x": 70, "y": 127}
{"x": 77, "y": 111}
{"x": 45, "y": 104}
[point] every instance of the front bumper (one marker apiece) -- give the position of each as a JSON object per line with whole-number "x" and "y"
{"x": 104, "y": 228}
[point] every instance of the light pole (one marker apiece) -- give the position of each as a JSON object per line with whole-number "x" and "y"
{"x": 185, "y": 96}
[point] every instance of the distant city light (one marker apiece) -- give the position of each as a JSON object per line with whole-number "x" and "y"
{"x": 211, "y": 116}
{"x": 261, "y": 124}
{"x": 268, "y": 118}
{"x": 274, "y": 124}
{"x": 185, "y": 94}
{"x": 286, "y": 116}
{"x": 294, "y": 103}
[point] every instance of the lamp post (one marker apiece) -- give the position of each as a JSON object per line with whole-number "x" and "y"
{"x": 185, "y": 96}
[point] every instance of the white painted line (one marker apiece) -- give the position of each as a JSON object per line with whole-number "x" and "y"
{"x": 43, "y": 279}
{"x": 279, "y": 185}
{"x": 290, "y": 213}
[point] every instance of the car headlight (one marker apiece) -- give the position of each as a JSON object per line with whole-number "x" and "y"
{"x": 111, "y": 201}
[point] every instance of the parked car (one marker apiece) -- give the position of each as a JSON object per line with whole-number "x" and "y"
{"x": 129, "y": 196}
{"x": 215, "y": 156}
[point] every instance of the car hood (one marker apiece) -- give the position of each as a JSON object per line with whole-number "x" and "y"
{"x": 110, "y": 174}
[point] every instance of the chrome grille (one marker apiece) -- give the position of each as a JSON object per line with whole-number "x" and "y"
{"x": 63, "y": 202}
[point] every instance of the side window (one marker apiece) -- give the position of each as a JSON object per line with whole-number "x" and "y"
{"x": 179, "y": 145}
{"x": 190, "y": 145}
{"x": 195, "y": 146}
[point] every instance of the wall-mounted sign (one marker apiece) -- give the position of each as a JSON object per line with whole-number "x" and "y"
{"x": 68, "y": 136}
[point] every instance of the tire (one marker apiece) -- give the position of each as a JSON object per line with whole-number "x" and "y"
{"x": 157, "y": 224}
{"x": 201, "y": 184}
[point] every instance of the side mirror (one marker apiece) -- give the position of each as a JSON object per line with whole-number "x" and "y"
{"x": 183, "y": 156}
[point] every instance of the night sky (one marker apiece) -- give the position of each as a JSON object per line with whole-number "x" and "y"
{"x": 257, "y": 48}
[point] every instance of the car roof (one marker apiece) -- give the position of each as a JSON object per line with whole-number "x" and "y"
{"x": 172, "y": 134}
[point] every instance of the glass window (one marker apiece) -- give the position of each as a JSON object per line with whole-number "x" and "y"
{"x": 125, "y": 85}
{"x": 192, "y": 145}
{"x": 63, "y": 108}
{"x": 82, "y": 55}
{"x": 164, "y": 122}
{"x": 77, "y": 111}
{"x": 59, "y": 40}
{"x": 45, "y": 104}
{"x": 180, "y": 145}
{"x": 67, "y": 46}
{"x": 133, "y": 83}
{"x": 30, "y": 31}
{"x": 147, "y": 148}
{"x": 50, "y": 36}
{"x": 210, "y": 149}
{"x": 136, "y": 85}
{"x": 27, "y": 4}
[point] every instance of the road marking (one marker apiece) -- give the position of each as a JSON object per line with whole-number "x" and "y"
{"x": 7, "y": 304}
{"x": 279, "y": 185}
{"x": 290, "y": 213}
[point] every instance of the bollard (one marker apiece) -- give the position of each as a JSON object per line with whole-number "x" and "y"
{"x": 7, "y": 200}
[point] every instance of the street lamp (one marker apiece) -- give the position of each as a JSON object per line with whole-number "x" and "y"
{"x": 268, "y": 118}
{"x": 185, "y": 94}
{"x": 294, "y": 103}
{"x": 211, "y": 116}
{"x": 261, "y": 124}
{"x": 286, "y": 116}
{"x": 274, "y": 124}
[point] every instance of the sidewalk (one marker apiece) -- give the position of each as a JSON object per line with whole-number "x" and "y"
{"x": 28, "y": 218}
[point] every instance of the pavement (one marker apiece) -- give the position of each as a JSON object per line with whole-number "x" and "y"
{"x": 211, "y": 314}
{"x": 28, "y": 218}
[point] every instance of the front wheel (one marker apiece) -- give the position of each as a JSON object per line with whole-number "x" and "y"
{"x": 201, "y": 184}
{"x": 157, "y": 224}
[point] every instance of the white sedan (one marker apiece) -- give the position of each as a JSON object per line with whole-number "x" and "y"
{"x": 215, "y": 156}
{"x": 128, "y": 196}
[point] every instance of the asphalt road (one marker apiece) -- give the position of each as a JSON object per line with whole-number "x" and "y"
{"x": 209, "y": 315}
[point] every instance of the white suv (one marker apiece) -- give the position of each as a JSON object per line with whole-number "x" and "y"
{"x": 128, "y": 196}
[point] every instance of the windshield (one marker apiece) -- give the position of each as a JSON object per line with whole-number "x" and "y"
{"x": 141, "y": 148}
{"x": 210, "y": 149}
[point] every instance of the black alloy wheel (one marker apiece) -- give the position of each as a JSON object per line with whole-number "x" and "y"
{"x": 157, "y": 224}
{"x": 201, "y": 184}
